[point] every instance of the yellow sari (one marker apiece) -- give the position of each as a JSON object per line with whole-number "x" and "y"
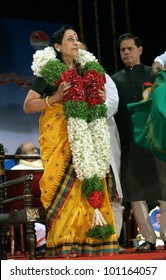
{"x": 69, "y": 214}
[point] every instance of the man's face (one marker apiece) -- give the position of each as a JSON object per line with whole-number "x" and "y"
{"x": 29, "y": 148}
{"x": 130, "y": 53}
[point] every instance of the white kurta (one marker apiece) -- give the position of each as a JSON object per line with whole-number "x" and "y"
{"x": 112, "y": 101}
{"x": 161, "y": 58}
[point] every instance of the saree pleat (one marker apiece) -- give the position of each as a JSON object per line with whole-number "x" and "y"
{"x": 68, "y": 214}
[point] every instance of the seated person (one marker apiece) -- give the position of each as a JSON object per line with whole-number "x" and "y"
{"x": 27, "y": 148}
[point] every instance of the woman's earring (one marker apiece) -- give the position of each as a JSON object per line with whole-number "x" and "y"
{"x": 58, "y": 50}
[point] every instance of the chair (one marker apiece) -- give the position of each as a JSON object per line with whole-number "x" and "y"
{"x": 17, "y": 208}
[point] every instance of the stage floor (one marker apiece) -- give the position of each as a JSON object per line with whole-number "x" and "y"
{"x": 159, "y": 254}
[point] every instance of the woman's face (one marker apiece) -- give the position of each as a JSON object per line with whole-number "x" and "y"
{"x": 70, "y": 44}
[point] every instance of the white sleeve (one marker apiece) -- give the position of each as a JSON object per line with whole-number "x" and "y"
{"x": 112, "y": 97}
{"x": 161, "y": 58}
{"x": 112, "y": 101}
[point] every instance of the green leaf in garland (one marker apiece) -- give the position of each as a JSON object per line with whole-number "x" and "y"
{"x": 101, "y": 232}
{"x": 52, "y": 70}
{"x": 76, "y": 109}
{"x": 93, "y": 65}
{"x": 92, "y": 184}
{"x": 97, "y": 111}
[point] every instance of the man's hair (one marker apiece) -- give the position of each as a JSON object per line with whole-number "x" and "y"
{"x": 127, "y": 36}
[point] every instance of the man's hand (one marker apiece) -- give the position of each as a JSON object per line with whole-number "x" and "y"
{"x": 156, "y": 66}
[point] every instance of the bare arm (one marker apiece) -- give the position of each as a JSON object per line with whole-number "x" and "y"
{"x": 34, "y": 103}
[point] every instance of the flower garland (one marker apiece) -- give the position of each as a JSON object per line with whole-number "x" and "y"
{"x": 88, "y": 132}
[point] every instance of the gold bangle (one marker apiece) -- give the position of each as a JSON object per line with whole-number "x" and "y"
{"x": 47, "y": 102}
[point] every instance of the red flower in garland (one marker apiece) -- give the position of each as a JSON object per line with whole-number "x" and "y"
{"x": 95, "y": 199}
{"x": 76, "y": 91}
{"x": 93, "y": 82}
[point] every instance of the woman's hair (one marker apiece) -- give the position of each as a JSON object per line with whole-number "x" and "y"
{"x": 58, "y": 37}
{"x": 127, "y": 36}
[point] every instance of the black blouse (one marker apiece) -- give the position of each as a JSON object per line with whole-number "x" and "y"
{"x": 40, "y": 86}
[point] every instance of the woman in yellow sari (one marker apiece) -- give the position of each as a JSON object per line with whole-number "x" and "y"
{"x": 79, "y": 216}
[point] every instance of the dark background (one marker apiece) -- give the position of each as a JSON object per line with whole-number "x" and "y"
{"x": 100, "y": 22}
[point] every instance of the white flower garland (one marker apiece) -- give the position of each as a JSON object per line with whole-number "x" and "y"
{"x": 82, "y": 146}
{"x": 40, "y": 58}
{"x": 84, "y": 57}
{"x": 101, "y": 141}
